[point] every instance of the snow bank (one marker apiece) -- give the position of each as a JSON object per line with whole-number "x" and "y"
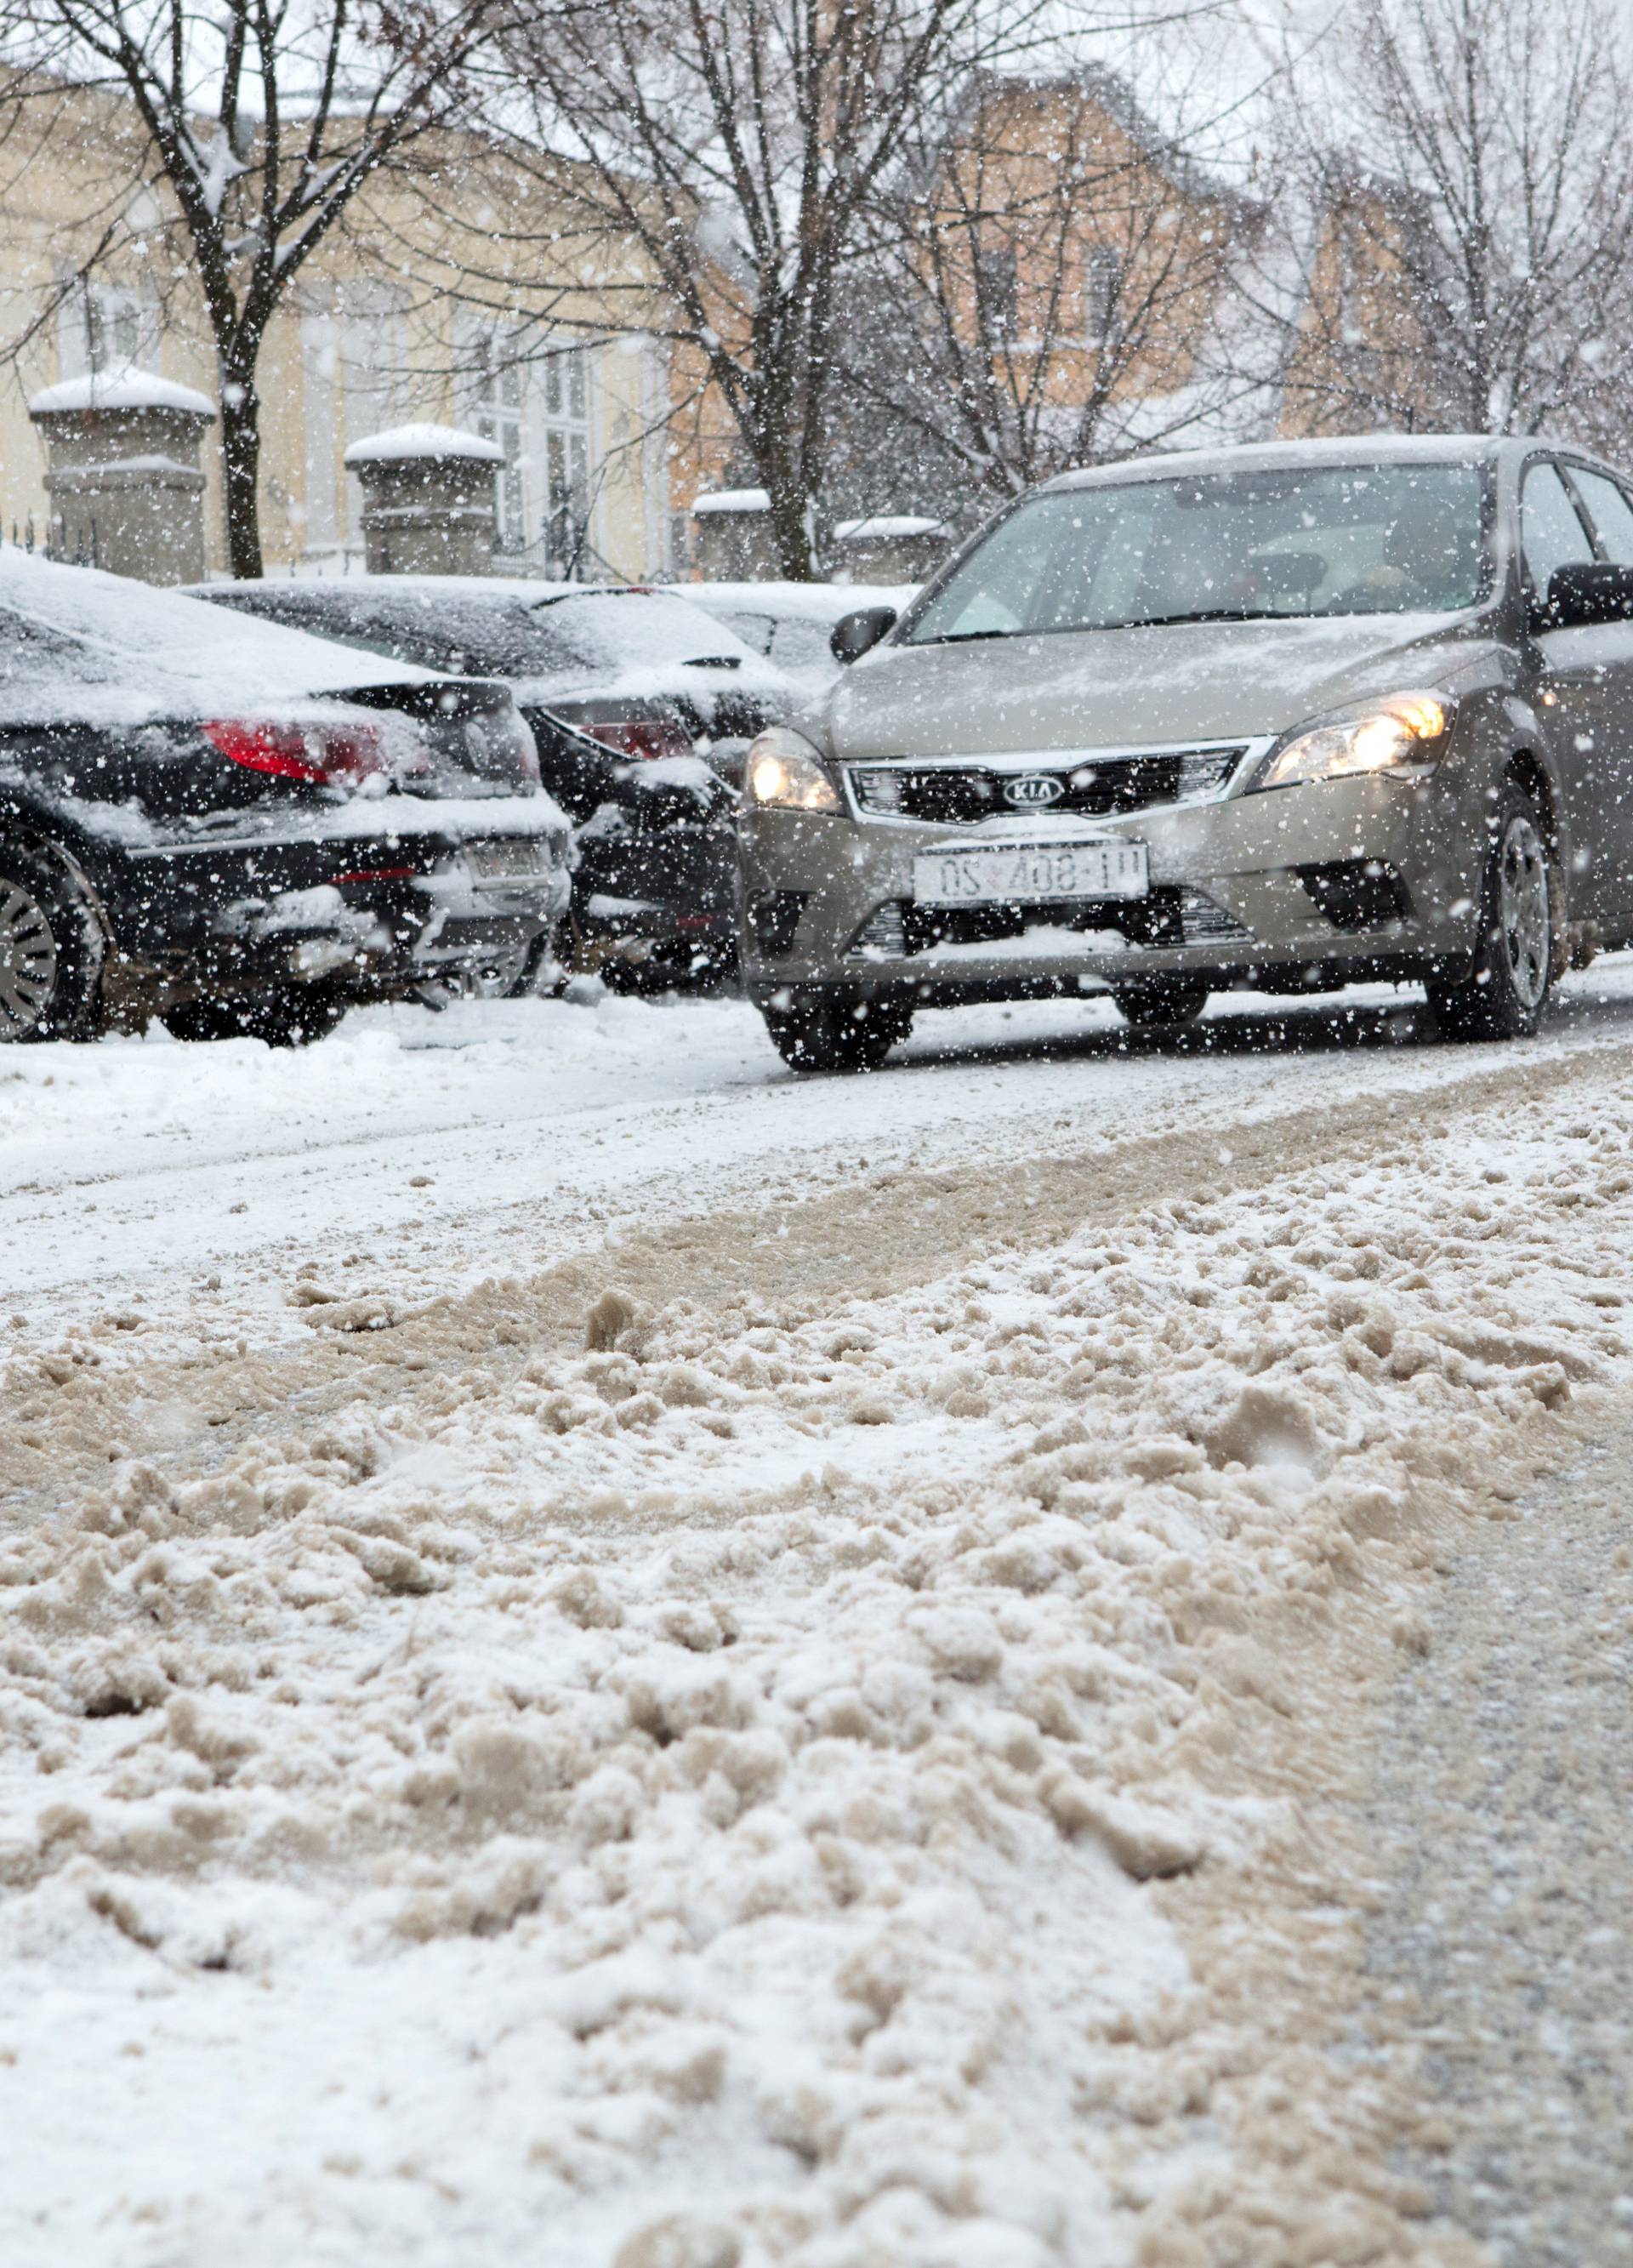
{"x": 694, "y": 1799}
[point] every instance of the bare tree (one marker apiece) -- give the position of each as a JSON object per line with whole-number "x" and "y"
{"x": 1059, "y": 270}
{"x": 260, "y": 122}
{"x": 1469, "y": 256}
{"x": 742, "y": 145}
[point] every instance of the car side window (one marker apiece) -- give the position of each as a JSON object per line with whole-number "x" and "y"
{"x": 1551, "y": 531}
{"x": 1613, "y": 514}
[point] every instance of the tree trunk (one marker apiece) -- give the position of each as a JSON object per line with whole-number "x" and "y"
{"x": 241, "y": 469}
{"x": 790, "y": 531}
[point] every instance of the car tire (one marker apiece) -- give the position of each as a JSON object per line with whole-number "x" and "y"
{"x": 51, "y": 948}
{"x": 285, "y": 1017}
{"x": 836, "y": 1032}
{"x": 1505, "y": 991}
{"x": 1160, "y": 1004}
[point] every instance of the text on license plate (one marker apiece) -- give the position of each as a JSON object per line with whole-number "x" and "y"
{"x": 1029, "y": 874}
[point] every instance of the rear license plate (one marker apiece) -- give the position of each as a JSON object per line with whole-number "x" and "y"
{"x": 519, "y": 859}
{"x": 1029, "y": 874}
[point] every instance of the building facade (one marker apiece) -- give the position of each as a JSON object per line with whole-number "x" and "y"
{"x": 391, "y": 322}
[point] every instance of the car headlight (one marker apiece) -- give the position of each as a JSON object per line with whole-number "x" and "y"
{"x": 1405, "y": 734}
{"x": 783, "y": 769}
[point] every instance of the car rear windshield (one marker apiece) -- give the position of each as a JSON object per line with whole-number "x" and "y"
{"x": 461, "y": 637}
{"x": 1303, "y": 543}
{"x": 498, "y": 635}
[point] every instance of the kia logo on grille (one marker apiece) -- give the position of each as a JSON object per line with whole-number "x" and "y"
{"x": 1032, "y": 790}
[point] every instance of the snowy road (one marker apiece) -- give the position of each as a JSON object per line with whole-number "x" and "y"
{"x": 503, "y": 1132}
{"x": 1503, "y": 1803}
{"x": 673, "y": 1668}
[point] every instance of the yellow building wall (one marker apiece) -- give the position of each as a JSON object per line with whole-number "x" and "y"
{"x": 66, "y": 175}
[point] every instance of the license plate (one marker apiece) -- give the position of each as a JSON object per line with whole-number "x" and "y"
{"x": 1029, "y": 874}
{"x": 515, "y": 859}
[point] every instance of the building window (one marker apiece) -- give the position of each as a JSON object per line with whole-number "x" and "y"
{"x": 566, "y": 498}
{"x": 105, "y": 327}
{"x": 498, "y": 407}
{"x": 997, "y": 292}
{"x": 1102, "y": 288}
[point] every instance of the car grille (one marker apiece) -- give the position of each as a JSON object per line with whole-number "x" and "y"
{"x": 1088, "y": 787}
{"x": 1166, "y": 916}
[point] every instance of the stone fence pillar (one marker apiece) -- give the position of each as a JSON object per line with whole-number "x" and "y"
{"x": 733, "y": 536}
{"x": 427, "y": 500}
{"x": 123, "y": 477}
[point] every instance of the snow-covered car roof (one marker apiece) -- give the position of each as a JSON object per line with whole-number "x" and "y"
{"x": 77, "y": 643}
{"x": 803, "y": 602}
{"x": 790, "y": 624}
{"x": 1285, "y": 456}
{"x": 540, "y": 637}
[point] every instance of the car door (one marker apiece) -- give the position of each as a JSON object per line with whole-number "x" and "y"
{"x": 1554, "y": 534}
{"x": 1607, "y": 703}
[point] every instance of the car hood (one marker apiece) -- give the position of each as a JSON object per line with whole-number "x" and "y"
{"x": 1136, "y": 688}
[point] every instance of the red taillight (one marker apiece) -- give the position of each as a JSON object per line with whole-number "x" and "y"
{"x": 376, "y": 874}
{"x": 320, "y": 753}
{"x": 644, "y": 737}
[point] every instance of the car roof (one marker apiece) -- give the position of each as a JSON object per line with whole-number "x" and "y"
{"x": 1334, "y": 449}
{"x": 432, "y": 586}
{"x": 799, "y": 602}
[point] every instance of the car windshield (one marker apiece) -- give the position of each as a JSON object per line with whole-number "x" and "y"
{"x": 1236, "y": 546}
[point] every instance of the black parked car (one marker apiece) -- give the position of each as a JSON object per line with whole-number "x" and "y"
{"x": 642, "y": 708}
{"x": 239, "y": 828}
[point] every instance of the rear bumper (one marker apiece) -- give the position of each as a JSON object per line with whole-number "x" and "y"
{"x": 369, "y": 916}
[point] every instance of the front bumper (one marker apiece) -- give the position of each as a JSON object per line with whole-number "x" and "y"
{"x": 1298, "y": 888}
{"x": 674, "y": 885}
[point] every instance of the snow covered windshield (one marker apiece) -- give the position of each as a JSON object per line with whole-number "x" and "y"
{"x": 1263, "y": 543}
{"x": 461, "y": 636}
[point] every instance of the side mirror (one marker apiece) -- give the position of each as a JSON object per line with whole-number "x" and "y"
{"x": 1580, "y": 596}
{"x": 853, "y": 635}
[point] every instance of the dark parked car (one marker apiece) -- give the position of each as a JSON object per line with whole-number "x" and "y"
{"x": 642, "y": 708}
{"x": 239, "y": 828}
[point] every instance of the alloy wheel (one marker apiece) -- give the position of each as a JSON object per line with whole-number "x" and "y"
{"x": 28, "y": 964}
{"x": 1522, "y": 909}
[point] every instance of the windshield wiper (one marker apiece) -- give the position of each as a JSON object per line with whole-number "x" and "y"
{"x": 1200, "y": 615}
{"x": 964, "y": 637}
{"x": 1132, "y": 623}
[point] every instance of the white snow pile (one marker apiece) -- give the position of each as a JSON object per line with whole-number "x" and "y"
{"x": 694, "y": 1802}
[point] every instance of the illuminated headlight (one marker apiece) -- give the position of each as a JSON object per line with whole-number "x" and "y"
{"x": 1404, "y": 735}
{"x": 783, "y": 769}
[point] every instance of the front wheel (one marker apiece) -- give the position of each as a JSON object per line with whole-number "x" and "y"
{"x": 1506, "y": 990}
{"x": 1160, "y": 1004}
{"x": 836, "y": 1033}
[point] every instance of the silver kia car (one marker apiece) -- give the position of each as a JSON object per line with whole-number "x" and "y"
{"x": 1290, "y": 717}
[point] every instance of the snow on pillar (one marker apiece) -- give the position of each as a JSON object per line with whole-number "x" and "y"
{"x": 427, "y": 500}
{"x": 123, "y": 477}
